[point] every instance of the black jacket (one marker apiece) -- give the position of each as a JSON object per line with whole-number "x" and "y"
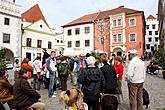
{"x": 93, "y": 83}
{"x": 110, "y": 76}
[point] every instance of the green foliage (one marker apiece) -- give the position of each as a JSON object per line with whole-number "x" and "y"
{"x": 2, "y": 60}
{"x": 160, "y": 58}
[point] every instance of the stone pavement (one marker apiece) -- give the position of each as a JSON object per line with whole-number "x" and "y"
{"x": 154, "y": 84}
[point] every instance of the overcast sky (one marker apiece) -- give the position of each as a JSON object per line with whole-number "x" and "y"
{"x": 60, "y": 12}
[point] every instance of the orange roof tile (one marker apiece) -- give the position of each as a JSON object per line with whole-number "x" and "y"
{"x": 151, "y": 17}
{"x": 33, "y": 14}
{"x": 100, "y": 15}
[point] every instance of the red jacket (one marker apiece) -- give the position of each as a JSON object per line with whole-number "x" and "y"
{"x": 119, "y": 70}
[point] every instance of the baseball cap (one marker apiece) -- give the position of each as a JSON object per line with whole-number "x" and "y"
{"x": 132, "y": 51}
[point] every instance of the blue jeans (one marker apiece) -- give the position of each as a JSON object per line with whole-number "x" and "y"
{"x": 52, "y": 77}
{"x": 78, "y": 85}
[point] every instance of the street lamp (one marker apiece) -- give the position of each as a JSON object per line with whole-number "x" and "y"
{"x": 101, "y": 25}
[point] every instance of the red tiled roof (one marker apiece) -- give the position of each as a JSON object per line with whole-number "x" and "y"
{"x": 33, "y": 14}
{"x": 151, "y": 17}
{"x": 100, "y": 15}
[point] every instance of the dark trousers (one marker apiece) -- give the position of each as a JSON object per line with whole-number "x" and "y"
{"x": 63, "y": 81}
{"x": 92, "y": 105}
{"x": 136, "y": 96}
{"x": 36, "y": 83}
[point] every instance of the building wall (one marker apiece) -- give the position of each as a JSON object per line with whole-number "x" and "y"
{"x": 35, "y": 32}
{"x": 161, "y": 18}
{"x": 81, "y": 37}
{"x": 139, "y": 32}
{"x": 10, "y": 10}
{"x": 119, "y": 46}
{"x": 153, "y": 44}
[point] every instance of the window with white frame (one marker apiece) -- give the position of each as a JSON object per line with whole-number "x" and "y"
{"x": 115, "y": 38}
{"x": 87, "y": 30}
{"x": 119, "y": 38}
{"x": 119, "y": 22}
{"x": 132, "y": 22}
{"x": 114, "y": 23}
{"x": 132, "y": 37}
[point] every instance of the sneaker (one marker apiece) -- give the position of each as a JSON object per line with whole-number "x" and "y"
{"x": 53, "y": 96}
{"x": 54, "y": 93}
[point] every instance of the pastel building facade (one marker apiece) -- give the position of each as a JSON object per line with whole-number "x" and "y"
{"x": 113, "y": 31}
{"x": 152, "y": 34}
{"x": 10, "y": 29}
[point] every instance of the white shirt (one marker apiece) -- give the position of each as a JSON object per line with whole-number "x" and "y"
{"x": 37, "y": 65}
{"x": 136, "y": 71}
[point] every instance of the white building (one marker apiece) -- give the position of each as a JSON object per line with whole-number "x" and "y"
{"x": 152, "y": 35}
{"x": 36, "y": 34}
{"x": 79, "y": 39}
{"x": 10, "y": 29}
{"x": 59, "y": 42}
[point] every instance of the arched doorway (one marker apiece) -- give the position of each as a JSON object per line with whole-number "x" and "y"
{"x": 118, "y": 51}
{"x": 9, "y": 55}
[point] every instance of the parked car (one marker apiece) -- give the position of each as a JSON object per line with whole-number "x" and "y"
{"x": 9, "y": 64}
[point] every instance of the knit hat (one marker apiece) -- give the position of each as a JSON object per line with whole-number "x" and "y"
{"x": 91, "y": 60}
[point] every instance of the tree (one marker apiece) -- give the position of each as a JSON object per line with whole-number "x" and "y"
{"x": 2, "y": 60}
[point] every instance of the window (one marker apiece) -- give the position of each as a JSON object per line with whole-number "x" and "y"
{"x": 150, "y": 32}
{"x": 147, "y": 26}
{"x": 6, "y": 38}
{"x": 119, "y": 22}
{"x": 49, "y": 45}
{"x": 61, "y": 41}
{"x": 69, "y": 32}
{"x": 132, "y": 38}
{"x": 87, "y": 43}
{"x": 28, "y": 42}
{"x": 156, "y": 32}
{"x": 7, "y": 21}
{"x": 114, "y": 23}
{"x": 149, "y": 39}
{"x": 77, "y": 44}
{"x": 114, "y": 38}
{"x": 58, "y": 41}
{"x": 28, "y": 55}
{"x": 87, "y": 30}
{"x": 156, "y": 39}
{"x": 69, "y": 43}
{"x": 119, "y": 38}
{"x": 132, "y": 22}
{"x": 153, "y": 26}
{"x": 40, "y": 26}
{"x": 39, "y": 43}
{"x": 148, "y": 46}
{"x": 77, "y": 31}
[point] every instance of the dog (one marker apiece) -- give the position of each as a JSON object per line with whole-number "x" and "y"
{"x": 109, "y": 102}
{"x": 73, "y": 99}
{"x": 146, "y": 100}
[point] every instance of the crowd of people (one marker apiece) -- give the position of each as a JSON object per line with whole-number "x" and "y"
{"x": 95, "y": 85}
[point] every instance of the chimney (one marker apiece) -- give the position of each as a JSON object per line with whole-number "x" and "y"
{"x": 122, "y": 6}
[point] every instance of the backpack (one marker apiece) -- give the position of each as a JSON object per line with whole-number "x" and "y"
{"x": 63, "y": 69}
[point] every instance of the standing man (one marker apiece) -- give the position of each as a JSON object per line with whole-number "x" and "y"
{"x": 45, "y": 56}
{"x": 135, "y": 78}
{"x": 52, "y": 68}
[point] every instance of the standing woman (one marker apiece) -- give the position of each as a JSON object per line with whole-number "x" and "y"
{"x": 119, "y": 72}
{"x": 37, "y": 65}
{"x": 16, "y": 69}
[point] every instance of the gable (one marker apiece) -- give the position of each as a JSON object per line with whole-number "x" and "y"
{"x": 39, "y": 26}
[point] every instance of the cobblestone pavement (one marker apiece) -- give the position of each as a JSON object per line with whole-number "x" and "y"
{"x": 154, "y": 84}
